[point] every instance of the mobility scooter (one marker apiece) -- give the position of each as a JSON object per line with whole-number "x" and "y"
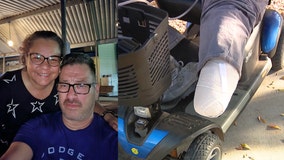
{"x": 153, "y": 130}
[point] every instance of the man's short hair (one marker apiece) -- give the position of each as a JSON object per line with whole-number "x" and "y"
{"x": 79, "y": 58}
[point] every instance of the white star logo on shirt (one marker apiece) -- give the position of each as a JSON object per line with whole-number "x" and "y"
{"x": 36, "y": 106}
{"x": 12, "y": 108}
{"x": 10, "y": 80}
{"x": 56, "y": 98}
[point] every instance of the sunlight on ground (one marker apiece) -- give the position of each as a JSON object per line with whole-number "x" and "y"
{"x": 265, "y": 143}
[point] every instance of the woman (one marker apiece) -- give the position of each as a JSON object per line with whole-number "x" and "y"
{"x": 31, "y": 91}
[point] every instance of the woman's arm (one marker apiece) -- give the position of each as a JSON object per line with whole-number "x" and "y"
{"x": 108, "y": 116}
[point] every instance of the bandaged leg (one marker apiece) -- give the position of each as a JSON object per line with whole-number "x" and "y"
{"x": 216, "y": 85}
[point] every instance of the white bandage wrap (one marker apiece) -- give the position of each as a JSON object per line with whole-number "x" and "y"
{"x": 216, "y": 84}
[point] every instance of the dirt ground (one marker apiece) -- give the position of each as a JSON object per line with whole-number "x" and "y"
{"x": 261, "y": 124}
{"x": 278, "y": 5}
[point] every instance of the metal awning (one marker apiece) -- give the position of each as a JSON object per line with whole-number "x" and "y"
{"x": 87, "y": 21}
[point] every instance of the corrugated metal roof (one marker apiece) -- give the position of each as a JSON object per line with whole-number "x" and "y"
{"x": 87, "y": 22}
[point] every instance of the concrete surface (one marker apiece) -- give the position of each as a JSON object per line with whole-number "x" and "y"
{"x": 265, "y": 143}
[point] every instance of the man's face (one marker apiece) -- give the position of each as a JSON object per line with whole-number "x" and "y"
{"x": 74, "y": 106}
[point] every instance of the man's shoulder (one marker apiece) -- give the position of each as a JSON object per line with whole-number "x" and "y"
{"x": 47, "y": 119}
{"x": 100, "y": 122}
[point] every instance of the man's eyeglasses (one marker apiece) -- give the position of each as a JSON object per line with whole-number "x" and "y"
{"x": 80, "y": 88}
{"x": 38, "y": 59}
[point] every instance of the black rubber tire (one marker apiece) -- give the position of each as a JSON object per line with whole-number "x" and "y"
{"x": 206, "y": 146}
{"x": 278, "y": 59}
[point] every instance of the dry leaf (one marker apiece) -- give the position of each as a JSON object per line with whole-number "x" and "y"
{"x": 281, "y": 89}
{"x": 273, "y": 126}
{"x": 260, "y": 119}
{"x": 282, "y": 114}
{"x": 282, "y": 78}
{"x": 243, "y": 146}
{"x": 239, "y": 147}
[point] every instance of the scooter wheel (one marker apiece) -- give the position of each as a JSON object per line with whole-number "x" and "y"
{"x": 206, "y": 146}
{"x": 278, "y": 59}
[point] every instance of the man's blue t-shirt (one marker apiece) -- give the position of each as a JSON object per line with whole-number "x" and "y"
{"x": 50, "y": 139}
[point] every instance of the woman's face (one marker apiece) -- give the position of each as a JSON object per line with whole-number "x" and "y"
{"x": 42, "y": 74}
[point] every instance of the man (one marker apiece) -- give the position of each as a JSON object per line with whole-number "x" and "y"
{"x": 74, "y": 133}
